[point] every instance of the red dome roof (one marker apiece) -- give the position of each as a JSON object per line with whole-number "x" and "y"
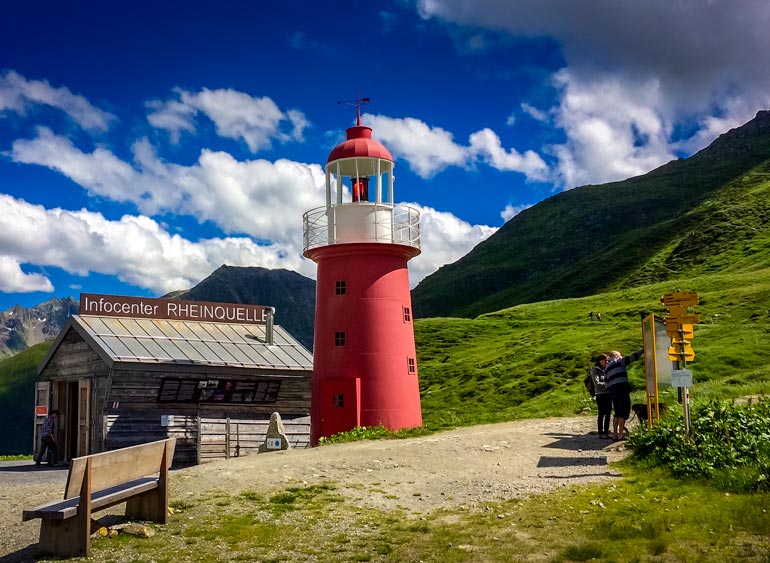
{"x": 359, "y": 143}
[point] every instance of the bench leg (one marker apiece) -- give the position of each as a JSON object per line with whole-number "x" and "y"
{"x": 148, "y": 507}
{"x": 152, "y": 506}
{"x": 66, "y": 538}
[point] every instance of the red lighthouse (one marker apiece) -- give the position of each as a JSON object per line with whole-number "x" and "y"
{"x": 364, "y": 362}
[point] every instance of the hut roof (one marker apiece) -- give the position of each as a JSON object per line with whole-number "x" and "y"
{"x": 160, "y": 341}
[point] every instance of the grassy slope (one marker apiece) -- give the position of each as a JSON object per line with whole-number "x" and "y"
{"x": 17, "y": 388}
{"x": 663, "y": 225}
{"x": 529, "y": 360}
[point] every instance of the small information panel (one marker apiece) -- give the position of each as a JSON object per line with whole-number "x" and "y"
{"x": 273, "y": 443}
{"x": 681, "y": 378}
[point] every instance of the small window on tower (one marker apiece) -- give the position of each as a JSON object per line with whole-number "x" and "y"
{"x": 407, "y": 315}
{"x": 338, "y": 401}
{"x": 340, "y": 287}
{"x": 412, "y": 366}
{"x": 339, "y": 338}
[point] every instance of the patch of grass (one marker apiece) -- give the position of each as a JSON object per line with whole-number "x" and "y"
{"x": 251, "y": 495}
{"x": 583, "y": 552}
{"x": 646, "y": 516}
{"x": 372, "y": 433}
{"x": 20, "y": 457}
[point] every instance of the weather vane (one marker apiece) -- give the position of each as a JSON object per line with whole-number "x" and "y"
{"x": 357, "y": 104}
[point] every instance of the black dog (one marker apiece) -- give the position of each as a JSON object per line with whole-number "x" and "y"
{"x": 640, "y": 410}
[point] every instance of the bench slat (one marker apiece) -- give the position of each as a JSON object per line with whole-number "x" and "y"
{"x": 63, "y": 509}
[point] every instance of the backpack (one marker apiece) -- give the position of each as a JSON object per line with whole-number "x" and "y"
{"x": 589, "y": 384}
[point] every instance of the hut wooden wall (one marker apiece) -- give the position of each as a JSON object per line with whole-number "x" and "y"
{"x": 200, "y": 427}
{"x": 125, "y": 409}
{"x": 202, "y": 438}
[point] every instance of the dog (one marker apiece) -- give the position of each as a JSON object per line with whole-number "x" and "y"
{"x": 640, "y": 410}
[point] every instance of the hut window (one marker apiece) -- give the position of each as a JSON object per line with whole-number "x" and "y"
{"x": 339, "y": 338}
{"x": 175, "y": 390}
{"x": 340, "y": 287}
{"x": 412, "y": 366}
{"x": 338, "y": 401}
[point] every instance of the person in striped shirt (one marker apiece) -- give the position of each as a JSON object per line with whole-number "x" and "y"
{"x": 616, "y": 378}
{"x": 48, "y": 439}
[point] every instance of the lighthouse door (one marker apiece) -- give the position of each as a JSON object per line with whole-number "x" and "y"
{"x": 340, "y": 399}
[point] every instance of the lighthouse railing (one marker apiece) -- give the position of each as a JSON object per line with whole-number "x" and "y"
{"x": 361, "y": 222}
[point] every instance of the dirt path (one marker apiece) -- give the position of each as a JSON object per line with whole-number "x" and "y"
{"x": 464, "y": 467}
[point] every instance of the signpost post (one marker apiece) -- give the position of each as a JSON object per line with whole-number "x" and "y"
{"x": 650, "y": 368}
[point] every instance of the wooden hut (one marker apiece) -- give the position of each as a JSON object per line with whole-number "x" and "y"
{"x": 131, "y": 370}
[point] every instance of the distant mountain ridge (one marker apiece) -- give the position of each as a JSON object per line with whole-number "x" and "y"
{"x": 24, "y": 327}
{"x": 292, "y": 295}
{"x": 701, "y": 214}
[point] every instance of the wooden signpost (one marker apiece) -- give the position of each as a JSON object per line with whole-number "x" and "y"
{"x": 679, "y": 326}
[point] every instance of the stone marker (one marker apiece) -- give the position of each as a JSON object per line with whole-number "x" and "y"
{"x": 275, "y": 439}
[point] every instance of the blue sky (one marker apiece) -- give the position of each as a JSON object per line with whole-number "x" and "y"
{"x": 142, "y": 148}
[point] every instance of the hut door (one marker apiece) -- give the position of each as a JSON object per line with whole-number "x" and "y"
{"x": 84, "y": 395}
{"x": 42, "y": 405}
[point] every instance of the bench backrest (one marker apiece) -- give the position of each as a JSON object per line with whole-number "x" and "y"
{"x": 119, "y": 466}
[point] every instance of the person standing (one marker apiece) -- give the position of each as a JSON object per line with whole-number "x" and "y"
{"x": 616, "y": 378}
{"x": 602, "y": 396}
{"x": 48, "y": 440}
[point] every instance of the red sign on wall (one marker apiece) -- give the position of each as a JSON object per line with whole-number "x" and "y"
{"x": 41, "y": 410}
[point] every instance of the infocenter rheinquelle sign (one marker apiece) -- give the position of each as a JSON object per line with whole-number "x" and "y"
{"x": 171, "y": 309}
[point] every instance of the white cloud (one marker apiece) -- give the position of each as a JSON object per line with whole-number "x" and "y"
{"x": 175, "y": 117}
{"x": 18, "y": 94}
{"x": 486, "y": 146}
{"x": 236, "y": 115}
{"x": 135, "y": 249}
{"x": 636, "y": 73}
{"x": 263, "y": 199}
{"x": 14, "y": 280}
{"x": 534, "y": 113}
{"x": 260, "y": 198}
{"x": 511, "y": 211}
{"x": 444, "y": 238}
{"x": 613, "y": 131}
{"x": 138, "y": 251}
{"x": 429, "y": 150}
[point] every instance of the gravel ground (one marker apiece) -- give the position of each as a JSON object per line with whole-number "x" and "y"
{"x": 463, "y": 467}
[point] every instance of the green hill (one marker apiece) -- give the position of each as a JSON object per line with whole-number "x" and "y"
{"x": 704, "y": 214}
{"x": 529, "y": 360}
{"x": 17, "y": 398}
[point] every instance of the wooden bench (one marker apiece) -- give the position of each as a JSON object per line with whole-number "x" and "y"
{"x": 137, "y": 475}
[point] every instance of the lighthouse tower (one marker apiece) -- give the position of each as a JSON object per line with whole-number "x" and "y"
{"x": 364, "y": 362}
